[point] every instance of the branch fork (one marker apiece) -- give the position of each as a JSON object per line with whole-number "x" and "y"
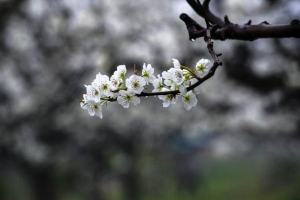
{"x": 225, "y": 29}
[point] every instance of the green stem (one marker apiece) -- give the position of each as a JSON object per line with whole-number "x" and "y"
{"x": 190, "y": 70}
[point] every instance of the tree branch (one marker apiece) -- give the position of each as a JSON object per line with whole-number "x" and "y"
{"x": 210, "y": 73}
{"x": 204, "y": 11}
{"x": 224, "y": 29}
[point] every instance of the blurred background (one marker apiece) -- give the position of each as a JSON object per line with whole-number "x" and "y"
{"x": 241, "y": 141}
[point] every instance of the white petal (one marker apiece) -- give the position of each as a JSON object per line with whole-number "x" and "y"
{"x": 187, "y": 106}
{"x": 150, "y": 69}
{"x": 166, "y": 75}
{"x": 135, "y": 100}
{"x": 166, "y": 104}
{"x": 91, "y": 112}
{"x": 122, "y": 101}
{"x": 99, "y": 113}
{"x": 182, "y": 89}
{"x": 176, "y": 63}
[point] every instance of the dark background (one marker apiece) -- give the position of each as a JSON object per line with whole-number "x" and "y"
{"x": 241, "y": 141}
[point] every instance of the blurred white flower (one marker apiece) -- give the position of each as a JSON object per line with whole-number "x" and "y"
{"x": 92, "y": 93}
{"x": 115, "y": 82}
{"x": 177, "y": 75}
{"x": 189, "y": 100}
{"x": 157, "y": 84}
{"x": 127, "y": 97}
{"x": 121, "y": 71}
{"x": 135, "y": 84}
{"x": 167, "y": 99}
{"x": 103, "y": 85}
{"x": 94, "y": 108}
{"x": 147, "y": 73}
{"x": 168, "y": 79}
{"x": 173, "y": 78}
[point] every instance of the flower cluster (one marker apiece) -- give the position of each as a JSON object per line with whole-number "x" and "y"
{"x": 127, "y": 90}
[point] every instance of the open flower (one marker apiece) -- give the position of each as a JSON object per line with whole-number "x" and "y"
{"x": 167, "y": 99}
{"x": 168, "y": 79}
{"x": 103, "y": 85}
{"x": 147, "y": 73}
{"x": 173, "y": 78}
{"x": 157, "y": 84}
{"x": 135, "y": 84}
{"x": 92, "y": 93}
{"x": 115, "y": 82}
{"x": 189, "y": 100}
{"x": 121, "y": 71}
{"x": 94, "y": 108}
{"x": 202, "y": 67}
{"x": 177, "y": 75}
{"x": 127, "y": 97}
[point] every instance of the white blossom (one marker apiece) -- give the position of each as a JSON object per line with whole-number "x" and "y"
{"x": 189, "y": 100}
{"x": 157, "y": 84}
{"x": 94, "y": 108}
{"x": 103, "y": 85}
{"x": 147, "y": 73}
{"x": 177, "y": 75}
{"x": 173, "y": 78}
{"x": 115, "y": 82}
{"x": 127, "y": 97}
{"x": 167, "y": 99}
{"x": 135, "y": 84}
{"x": 202, "y": 67}
{"x": 121, "y": 71}
{"x": 92, "y": 92}
{"x": 168, "y": 79}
